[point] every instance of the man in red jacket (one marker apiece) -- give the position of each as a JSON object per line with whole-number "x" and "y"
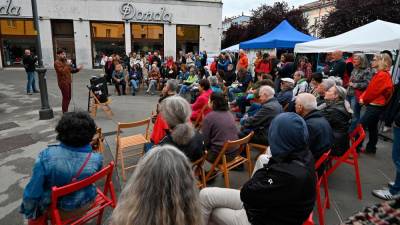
{"x": 64, "y": 72}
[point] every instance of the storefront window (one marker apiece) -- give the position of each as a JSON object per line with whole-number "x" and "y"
{"x": 107, "y": 39}
{"x": 187, "y": 38}
{"x": 63, "y": 37}
{"x": 147, "y": 37}
{"x": 16, "y": 36}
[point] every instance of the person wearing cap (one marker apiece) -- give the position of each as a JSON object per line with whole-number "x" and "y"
{"x": 301, "y": 84}
{"x": 338, "y": 113}
{"x": 281, "y": 189}
{"x": 286, "y": 94}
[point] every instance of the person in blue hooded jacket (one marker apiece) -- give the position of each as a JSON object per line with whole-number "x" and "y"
{"x": 282, "y": 188}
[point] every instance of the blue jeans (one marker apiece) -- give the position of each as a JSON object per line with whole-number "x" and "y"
{"x": 152, "y": 86}
{"x": 356, "y": 107}
{"x": 184, "y": 89}
{"x": 31, "y": 86}
{"x": 396, "y": 159}
{"x": 232, "y": 91}
{"x": 134, "y": 84}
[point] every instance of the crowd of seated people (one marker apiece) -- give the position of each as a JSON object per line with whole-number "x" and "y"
{"x": 298, "y": 114}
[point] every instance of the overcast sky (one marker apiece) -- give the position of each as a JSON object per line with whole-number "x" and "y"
{"x": 236, "y": 7}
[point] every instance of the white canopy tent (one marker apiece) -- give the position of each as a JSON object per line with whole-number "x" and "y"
{"x": 233, "y": 48}
{"x": 373, "y": 37}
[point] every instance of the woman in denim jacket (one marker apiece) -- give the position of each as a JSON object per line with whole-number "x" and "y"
{"x": 58, "y": 164}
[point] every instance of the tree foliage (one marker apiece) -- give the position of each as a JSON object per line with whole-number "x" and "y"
{"x": 264, "y": 19}
{"x": 350, "y": 14}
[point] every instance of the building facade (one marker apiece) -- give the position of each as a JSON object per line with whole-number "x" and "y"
{"x": 86, "y": 29}
{"x": 241, "y": 20}
{"x": 315, "y": 11}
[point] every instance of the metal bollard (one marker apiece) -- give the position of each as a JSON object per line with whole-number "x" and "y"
{"x": 45, "y": 112}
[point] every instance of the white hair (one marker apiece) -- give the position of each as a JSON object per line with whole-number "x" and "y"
{"x": 269, "y": 91}
{"x": 308, "y": 101}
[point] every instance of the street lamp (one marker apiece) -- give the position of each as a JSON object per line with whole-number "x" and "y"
{"x": 45, "y": 112}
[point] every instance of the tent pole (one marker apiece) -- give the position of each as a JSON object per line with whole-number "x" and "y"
{"x": 395, "y": 72}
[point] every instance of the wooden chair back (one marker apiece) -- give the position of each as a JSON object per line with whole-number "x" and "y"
{"x": 135, "y": 124}
{"x": 198, "y": 170}
{"x": 243, "y": 145}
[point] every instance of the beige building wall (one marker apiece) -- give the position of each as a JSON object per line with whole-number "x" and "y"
{"x": 315, "y": 11}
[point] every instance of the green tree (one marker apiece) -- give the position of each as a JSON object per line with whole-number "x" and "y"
{"x": 350, "y": 14}
{"x": 264, "y": 19}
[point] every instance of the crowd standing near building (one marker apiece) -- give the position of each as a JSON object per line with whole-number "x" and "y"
{"x": 299, "y": 114}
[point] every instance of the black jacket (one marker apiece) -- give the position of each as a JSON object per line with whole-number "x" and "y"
{"x": 337, "y": 68}
{"x": 29, "y": 63}
{"x": 339, "y": 119}
{"x": 392, "y": 112}
{"x": 262, "y": 119}
{"x": 287, "y": 70}
{"x": 281, "y": 193}
{"x": 194, "y": 150}
{"x": 321, "y": 136}
{"x": 156, "y": 59}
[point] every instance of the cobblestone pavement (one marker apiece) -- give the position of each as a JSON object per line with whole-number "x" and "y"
{"x": 23, "y": 136}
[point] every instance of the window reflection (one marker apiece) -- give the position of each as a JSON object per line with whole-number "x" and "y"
{"x": 187, "y": 38}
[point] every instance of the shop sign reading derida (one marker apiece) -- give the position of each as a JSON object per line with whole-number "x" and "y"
{"x": 8, "y": 9}
{"x": 129, "y": 12}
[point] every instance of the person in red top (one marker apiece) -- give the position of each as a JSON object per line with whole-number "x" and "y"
{"x": 305, "y": 66}
{"x": 243, "y": 61}
{"x": 213, "y": 66}
{"x": 375, "y": 97}
{"x": 257, "y": 62}
{"x": 264, "y": 66}
{"x": 202, "y": 100}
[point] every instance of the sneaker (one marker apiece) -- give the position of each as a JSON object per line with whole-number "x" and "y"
{"x": 383, "y": 194}
{"x": 390, "y": 184}
{"x": 29, "y": 93}
{"x": 133, "y": 94}
{"x": 36, "y": 92}
{"x": 386, "y": 129}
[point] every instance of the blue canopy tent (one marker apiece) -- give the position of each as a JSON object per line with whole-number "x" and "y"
{"x": 282, "y": 36}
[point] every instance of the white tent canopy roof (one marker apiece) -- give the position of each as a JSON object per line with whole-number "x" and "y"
{"x": 373, "y": 37}
{"x": 233, "y": 48}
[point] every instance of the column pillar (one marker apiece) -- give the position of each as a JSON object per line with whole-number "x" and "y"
{"x": 46, "y": 41}
{"x": 83, "y": 45}
{"x": 128, "y": 38}
{"x": 170, "y": 40}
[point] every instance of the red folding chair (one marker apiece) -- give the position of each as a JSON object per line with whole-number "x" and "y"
{"x": 322, "y": 180}
{"x": 310, "y": 220}
{"x": 350, "y": 156}
{"x": 100, "y": 203}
